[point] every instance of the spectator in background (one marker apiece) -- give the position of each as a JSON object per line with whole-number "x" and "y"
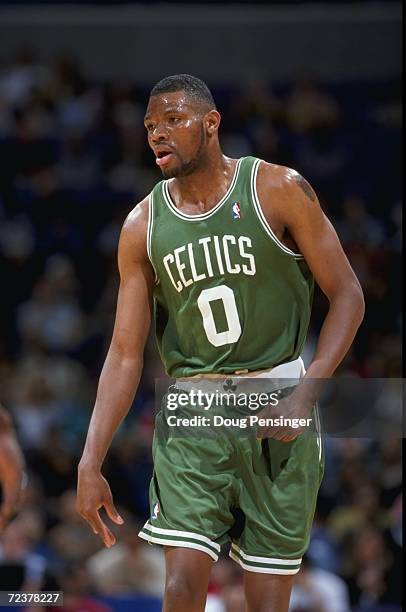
{"x": 390, "y": 471}
{"x": 76, "y": 585}
{"x": 233, "y": 598}
{"x": 362, "y": 507}
{"x": 358, "y": 226}
{"x": 309, "y": 107}
{"x": 35, "y": 410}
{"x": 317, "y": 590}
{"x": 317, "y": 137}
{"x": 52, "y": 318}
{"x": 131, "y": 567}
{"x": 323, "y": 550}
{"x": 368, "y": 566}
{"x": 226, "y": 592}
{"x": 19, "y": 79}
{"x": 20, "y": 567}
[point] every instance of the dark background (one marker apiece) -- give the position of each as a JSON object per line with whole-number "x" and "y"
{"x": 314, "y": 87}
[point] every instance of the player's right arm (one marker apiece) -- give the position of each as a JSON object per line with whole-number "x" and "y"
{"x": 121, "y": 371}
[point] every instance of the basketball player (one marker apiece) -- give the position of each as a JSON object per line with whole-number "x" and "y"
{"x": 224, "y": 252}
{"x": 11, "y": 469}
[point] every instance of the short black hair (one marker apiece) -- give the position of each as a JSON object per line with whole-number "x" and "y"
{"x": 191, "y": 85}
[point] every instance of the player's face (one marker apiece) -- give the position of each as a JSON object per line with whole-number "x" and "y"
{"x": 176, "y": 133}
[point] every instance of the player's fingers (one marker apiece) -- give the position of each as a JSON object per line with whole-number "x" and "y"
{"x": 278, "y": 435}
{"x": 289, "y": 438}
{"x": 107, "y": 536}
{"x": 263, "y": 431}
{"x": 285, "y": 435}
{"x": 112, "y": 512}
{"x": 90, "y": 520}
{"x": 103, "y": 531}
{"x": 291, "y": 435}
{"x": 266, "y": 432}
{"x": 99, "y": 528}
{"x": 272, "y": 432}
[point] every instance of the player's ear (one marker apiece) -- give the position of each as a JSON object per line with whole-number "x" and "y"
{"x": 212, "y": 121}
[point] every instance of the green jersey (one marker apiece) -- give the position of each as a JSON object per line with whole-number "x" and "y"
{"x": 228, "y": 294}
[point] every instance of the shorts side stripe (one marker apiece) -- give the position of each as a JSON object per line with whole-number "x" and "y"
{"x": 165, "y": 541}
{"x": 264, "y": 565}
{"x": 262, "y": 569}
{"x": 246, "y": 557}
{"x": 174, "y": 538}
{"x": 187, "y": 534}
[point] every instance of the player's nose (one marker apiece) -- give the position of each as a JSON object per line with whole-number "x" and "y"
{"x": 160, "y": 134}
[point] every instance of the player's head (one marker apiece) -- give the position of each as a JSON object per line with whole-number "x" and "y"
{"x": 182, "y": 123}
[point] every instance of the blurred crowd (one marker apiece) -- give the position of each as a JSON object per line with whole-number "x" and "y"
{"x": 74, "y": 161}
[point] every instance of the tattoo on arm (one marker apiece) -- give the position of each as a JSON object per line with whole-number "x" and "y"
{"x": 306, "y": 188}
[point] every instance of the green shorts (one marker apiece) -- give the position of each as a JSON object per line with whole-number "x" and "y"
{"x": 260, "y": 495}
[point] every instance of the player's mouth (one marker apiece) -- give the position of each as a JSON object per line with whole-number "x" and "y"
{"x": 163, "y": 157}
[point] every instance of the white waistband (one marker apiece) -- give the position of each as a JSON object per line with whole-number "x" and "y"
{"x": 290, "y": 370}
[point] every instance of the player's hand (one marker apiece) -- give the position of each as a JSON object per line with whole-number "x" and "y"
{"x": 94, "y": 493}
{"x": 291, "y": 407}
{"x": 11, "y": 473}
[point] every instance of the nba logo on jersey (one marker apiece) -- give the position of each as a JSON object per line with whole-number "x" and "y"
{"x": 236, "y": 210}
{"x": 155, "y": 511}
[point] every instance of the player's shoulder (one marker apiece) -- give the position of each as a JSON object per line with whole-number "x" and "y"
{"x": 135, "y": 227}
{"x": 137, "y": 219}
{"x": 285, "y": 182}
{"x": 277, "y": 176}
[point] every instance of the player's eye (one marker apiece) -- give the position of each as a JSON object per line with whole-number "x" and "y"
{"x": 149, "y": 127}
{"x": 173, "y": 120}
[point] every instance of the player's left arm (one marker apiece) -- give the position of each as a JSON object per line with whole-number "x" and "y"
{"x": 316, "y": 239}
{"x": 295, "y": 210}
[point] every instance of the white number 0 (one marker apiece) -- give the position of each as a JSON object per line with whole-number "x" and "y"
{"x": 225, "y": 294}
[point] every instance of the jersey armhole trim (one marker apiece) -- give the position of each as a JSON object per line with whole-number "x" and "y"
{"x": 149, "y": 232}
{"x": 261, "y": 215}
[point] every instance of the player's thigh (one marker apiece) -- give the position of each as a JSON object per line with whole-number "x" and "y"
{"x": 187, "y": 576}
{"x": 267, "y": 592}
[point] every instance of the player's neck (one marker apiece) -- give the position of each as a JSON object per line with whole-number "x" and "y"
{"x": 206, "y": 185}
